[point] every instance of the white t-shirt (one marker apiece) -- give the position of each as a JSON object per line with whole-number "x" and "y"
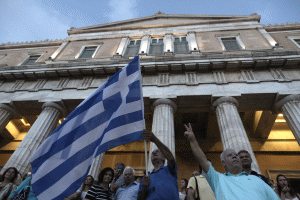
{"x": 83, "y": 194}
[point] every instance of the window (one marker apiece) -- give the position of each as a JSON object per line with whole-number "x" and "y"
{"x": 133, "y": 48}
{"x": 157, "y": 46}
{"x": 181, "y": 45}
{"x": 31, "y": 60}
{"x": 230, "y": 44}
{"x": 88, "y": 52}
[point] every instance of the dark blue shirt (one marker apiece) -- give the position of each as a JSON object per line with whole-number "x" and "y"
{"x": 163, "y": 184}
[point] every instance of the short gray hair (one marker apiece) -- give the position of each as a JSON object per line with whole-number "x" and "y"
{"x": 222, "y": 154}
{"x": 128, "y": 168}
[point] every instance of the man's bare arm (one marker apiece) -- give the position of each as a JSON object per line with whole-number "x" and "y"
{"x": 163, "y": 148}
{"x": 191, "y": 194}
{"x": 198, "y": 153}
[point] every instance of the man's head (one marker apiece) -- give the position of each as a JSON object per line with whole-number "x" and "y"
{"x": 129, "y": 175}
{"x": 119, "y": 169}
{"x": 157, "y": 156}
{"x": 231, "y": 161}
{"x": 245, "y": 158}
{"x": 196, "y": 173}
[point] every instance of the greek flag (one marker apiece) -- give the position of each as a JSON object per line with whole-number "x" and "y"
{"x": 111, "y": 116}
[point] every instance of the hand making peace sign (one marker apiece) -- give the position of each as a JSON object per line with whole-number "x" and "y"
{"x": 189, "y": 134}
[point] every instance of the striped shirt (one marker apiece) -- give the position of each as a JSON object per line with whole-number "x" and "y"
{"x": 98, "y": 193}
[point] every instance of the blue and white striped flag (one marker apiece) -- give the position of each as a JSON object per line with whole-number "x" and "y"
{"x": 111, "y": 116}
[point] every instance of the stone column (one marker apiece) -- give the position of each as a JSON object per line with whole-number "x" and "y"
{"x": 233, "y": 134}
{"x": 6, "y": 114}
{"x": 40, "y": 130}
{"x": 163, "y": 125}
{"x": 290, "y": 108}
{"x": 96, "y": 166}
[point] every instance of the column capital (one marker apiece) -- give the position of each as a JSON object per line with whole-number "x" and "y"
{"x": 61, "y": 109}
{"x": 225, "y": 100}
{"x": 7, "y": 108}
{"x": 164, "y": 101}
{"x": 282, "y": 102}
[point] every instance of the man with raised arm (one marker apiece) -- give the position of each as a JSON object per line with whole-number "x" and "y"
{"x": 161, "y": 184}
{"x": 234, "y": 184}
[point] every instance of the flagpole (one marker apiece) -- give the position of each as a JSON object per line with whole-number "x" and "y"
{"x": 145, "y": 142}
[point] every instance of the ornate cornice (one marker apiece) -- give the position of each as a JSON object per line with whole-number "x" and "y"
{"x": 241, "y": 60}
{"x": 42, "y": 43}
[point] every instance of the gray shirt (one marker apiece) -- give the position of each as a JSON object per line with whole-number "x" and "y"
{"x": 128, "y": 193}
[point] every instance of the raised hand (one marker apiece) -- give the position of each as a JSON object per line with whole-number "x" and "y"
{"x": 146, "y": 181}
{"x": 189, "y": 134}
{"x": 285, "y": 189}
{"x": 148, "y": 135}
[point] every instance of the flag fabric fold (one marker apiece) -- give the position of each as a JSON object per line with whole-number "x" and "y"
{"x": 111, "y": 116}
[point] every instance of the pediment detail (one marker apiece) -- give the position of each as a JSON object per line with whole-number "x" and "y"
{"x": 164, "y": 20}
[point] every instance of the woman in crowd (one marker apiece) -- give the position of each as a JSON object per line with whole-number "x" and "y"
{"x": 102, "y": 190}
{"x": 82, "y": 191}
{"x": 7, "y": 182}
{"x": 183, "y": 189}
{"x": 284, "y": 189}
{"x": 25, "y": 185}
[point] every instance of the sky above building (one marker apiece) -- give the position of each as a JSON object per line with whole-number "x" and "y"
{"x": 35, "y": 20}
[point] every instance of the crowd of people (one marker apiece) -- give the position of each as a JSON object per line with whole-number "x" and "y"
{"x": 239, "y": 182}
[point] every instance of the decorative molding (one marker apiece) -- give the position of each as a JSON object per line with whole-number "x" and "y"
{"x": 39, "y": 85}
{"x": 62, "y": 84}
{"x": 249, "y": 76}
{"x": 86, "y": 82}
{"x": 219, "y": 77}
{"x": 278, "y": 75}
{"x": 18, "y": 84}
{"x": 163, "y": 79}
{"x": 191, "y": 78}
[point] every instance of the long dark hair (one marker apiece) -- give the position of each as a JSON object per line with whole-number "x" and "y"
{"x": 186, "y": 183}
{"x": 102, "y": 173}
{"x": 83, "y": 184}
{"x": 292, "y": 191}
{"x": 16, "y": 174}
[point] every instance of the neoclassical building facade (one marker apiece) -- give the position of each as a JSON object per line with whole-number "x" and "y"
{"x": 235, "y": 80}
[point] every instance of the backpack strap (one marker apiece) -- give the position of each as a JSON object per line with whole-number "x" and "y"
{"x": 197, "y": 188}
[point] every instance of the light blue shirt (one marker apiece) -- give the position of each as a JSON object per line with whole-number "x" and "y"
{"x": 128, "y": 193}
{"x": 24, "y": 185}
{"x": 240, "y": 187}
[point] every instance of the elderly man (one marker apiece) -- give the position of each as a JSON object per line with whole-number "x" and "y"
{"x": 131, "y": 188}
{"x": 234, "y": 184}
{"x": 246, "y": 161}
{"x": 161, "y": 184}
